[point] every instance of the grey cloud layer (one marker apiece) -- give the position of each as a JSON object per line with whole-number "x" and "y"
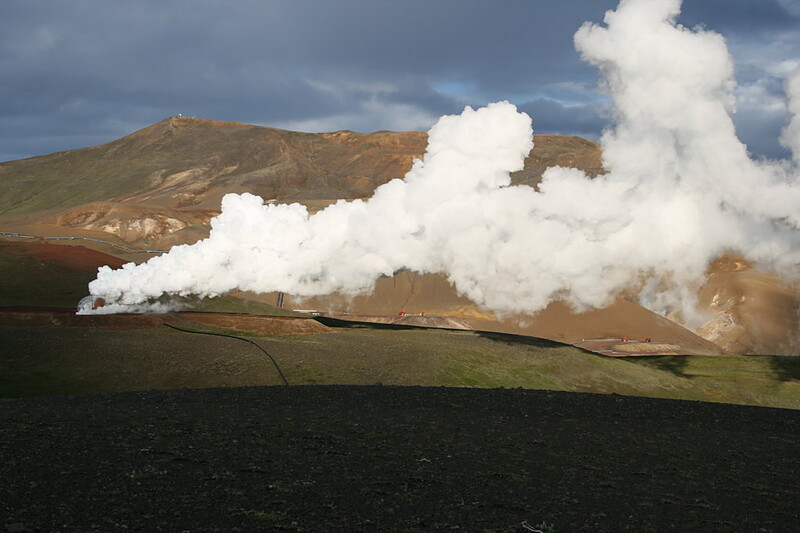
{"x": 85, "y": 72}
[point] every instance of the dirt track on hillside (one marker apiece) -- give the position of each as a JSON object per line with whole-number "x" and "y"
{"x": 77, "y": 257}
{"x": 265, "y": 325}
{"x": 394, "y": 459}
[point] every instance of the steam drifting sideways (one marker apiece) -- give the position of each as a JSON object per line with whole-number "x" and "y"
{"x": 681, "y": 190}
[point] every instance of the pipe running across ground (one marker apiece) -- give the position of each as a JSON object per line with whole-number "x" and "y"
{"x": 277, "y": 367}
{"x": 23, "y": 236}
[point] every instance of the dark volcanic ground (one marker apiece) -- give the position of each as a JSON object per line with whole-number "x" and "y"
{"x": 336, "y": 458}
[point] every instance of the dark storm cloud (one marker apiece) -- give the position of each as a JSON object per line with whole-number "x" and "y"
{"x": 551, "y": 116}
{"x": 88, "y": 71}
{"x": 750, "y": 16}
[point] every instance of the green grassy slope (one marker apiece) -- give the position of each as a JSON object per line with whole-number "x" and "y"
{"x": 36, "y": 361}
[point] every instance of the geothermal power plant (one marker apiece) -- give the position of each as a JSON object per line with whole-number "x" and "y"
{"x": 209, "y": 325}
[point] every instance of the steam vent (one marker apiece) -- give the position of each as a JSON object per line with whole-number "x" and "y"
{"x": 89, "y": 303}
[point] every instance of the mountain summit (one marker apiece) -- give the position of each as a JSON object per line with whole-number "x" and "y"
{"x": 191, "y": 163}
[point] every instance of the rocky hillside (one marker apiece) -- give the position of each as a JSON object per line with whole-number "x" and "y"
{"x": 182, "y": 163}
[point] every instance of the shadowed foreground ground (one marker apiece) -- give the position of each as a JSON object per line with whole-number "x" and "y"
{"x": 377, "y": 458}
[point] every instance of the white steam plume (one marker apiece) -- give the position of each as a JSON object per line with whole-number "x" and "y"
{"x": 791, "y": 135}
{"x": 680, "y": 191}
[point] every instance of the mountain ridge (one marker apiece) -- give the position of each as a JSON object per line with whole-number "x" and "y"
{"x": 181, "y": 162}
{"x": 161, "y": 185}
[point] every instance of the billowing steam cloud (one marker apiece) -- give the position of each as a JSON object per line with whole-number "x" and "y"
{"x": 791, "y": 135}
{"x": 680, "y": 191}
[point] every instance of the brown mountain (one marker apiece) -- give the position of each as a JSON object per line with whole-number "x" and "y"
{"x": 170, "y": 176}
{"x": 160, "y": 186}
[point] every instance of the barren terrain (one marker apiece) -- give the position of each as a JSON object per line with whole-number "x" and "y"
{"x": 384, "y": 458}
{"x": 159, "y": 186}
{"x": 117, "y": 422}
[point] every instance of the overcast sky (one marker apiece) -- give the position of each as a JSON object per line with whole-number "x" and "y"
{"x": 83, "y": 72}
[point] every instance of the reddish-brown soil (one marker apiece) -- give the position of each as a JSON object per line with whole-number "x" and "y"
{"x": 750, "y": 311}
{"x": 267, "y": 325}
{"x": 38, "y": 316}
{"x": 418, "y": 320}
{"x": 431, "y": 294}
{"x": 75, "y": 257}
